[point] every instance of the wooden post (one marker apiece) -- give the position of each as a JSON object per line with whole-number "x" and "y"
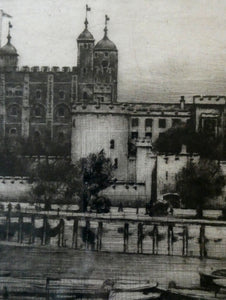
{"x": 99, "y": 236}
{"x": 60, "y": 242}
{"x": 126, "y": 237}
{"x": 32, "y": 230}
{"x": 140, "y": 238}
{"x": 44, "y": 237}
{"x": 75, "y": 234}
{"x": 202, "y": 242}
{"x": 87, "y": 234}
{"x": 20, "y": 229}
{"x": 8, "y": 222}
{"x": 170, "y": 240}
{"x": 185, "y": 241}
{"x": 155, "y": 240}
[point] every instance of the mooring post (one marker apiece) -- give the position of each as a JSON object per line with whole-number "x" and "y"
{"x": 20, "y": 230}
{"x": 8, "y": 222}
{"x": 140, "y": 238}
{"x": 75, "y": 234}
{"x": 202, "y": 241}
{"x": 87, "y": 234}
{"x": 32, "y": 232}
{"x": 44, "y": 229}
{"x": 99, "y": 236}
{"x": 155, "y": 240}
{"x": 170, "y": 240}
{"x": 126, "y": 237}
{"x": 185, "y": 241}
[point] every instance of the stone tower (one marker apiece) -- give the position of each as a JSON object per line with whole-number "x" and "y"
{"x": 85, "y": 43}
{"x": 105, "y": 69}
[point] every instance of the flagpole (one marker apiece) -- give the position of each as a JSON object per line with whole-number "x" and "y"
{"x": 1, "y": 14}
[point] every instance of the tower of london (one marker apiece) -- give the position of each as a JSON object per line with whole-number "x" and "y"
{"x": 79, "y": 105}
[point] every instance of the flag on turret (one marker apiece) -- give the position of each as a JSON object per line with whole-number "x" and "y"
{"x": 88, "y": 8}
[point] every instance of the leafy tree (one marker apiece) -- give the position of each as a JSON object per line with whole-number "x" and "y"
{"x": 171, "y": 141}
{"x": 11, "y": 163}
{"x": 60, "y": 179}
{"x": 49, "y": 181}
{"x": 89, "y": 176}
{"x": 199, "y": 182}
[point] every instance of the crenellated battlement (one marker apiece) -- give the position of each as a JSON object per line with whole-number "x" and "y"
{"x": 47, "y": 69}
{"x": 208, "y": 99}
{"x": 157, "y": 110}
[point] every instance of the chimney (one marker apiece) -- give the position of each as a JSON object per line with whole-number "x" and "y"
{"x": 182, "y": 102}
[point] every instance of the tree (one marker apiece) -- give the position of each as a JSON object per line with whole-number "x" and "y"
{"x": 49, "y": 181}
{"x": 11, "y": 162}
{"x": 90, "y": 175}
{"x": 199, "y": 182}
{"x": 60, "y": 179}
{"x": 171, "y": 141}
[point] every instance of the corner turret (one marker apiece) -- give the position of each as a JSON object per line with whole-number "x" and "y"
{"x": 8, "y": 54}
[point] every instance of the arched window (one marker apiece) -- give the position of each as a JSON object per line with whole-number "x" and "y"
{"x": 13, "y": 111}
{"x": 38, "y": 112}
{"x": 61, "y": 112}
{"x": 38, "y": 94}
{"x": 37, "y": 136}
{"x": 13, "y": 131}
{"x": 112, "y": 144}
{"x": 85, "y": 95}
{"x": 61, "y": 136}
{"x": 61, "y": 94}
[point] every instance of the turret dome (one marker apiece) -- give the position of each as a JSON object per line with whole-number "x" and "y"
{"x": 105, "y": 44}
{"x": 8, "y": 49}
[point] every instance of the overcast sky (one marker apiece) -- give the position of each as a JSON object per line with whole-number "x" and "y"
{"x": 167, "y": 48}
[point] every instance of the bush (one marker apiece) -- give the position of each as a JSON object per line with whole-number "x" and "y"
{"x": 101, "y": 204}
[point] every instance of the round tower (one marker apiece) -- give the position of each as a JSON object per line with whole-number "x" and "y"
{"x": 85, "y": 43}
{"x": 8, "y": 54}
{"x": 105, "y": 69}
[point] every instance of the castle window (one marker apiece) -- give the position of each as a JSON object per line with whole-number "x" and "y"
{"x": 134, "y": 135}
{"x": 13, "y": 111}
{"x": 38, "y": 112}
{"x": 37, "y": 136}
{"x": 85, "y": 46}
{"x": 38, "y": 94}
{"x": 176, "y": 122}
{"x": 162, "y": 123}
{"x": 148, "y": 135}
{"x": 96, "y": 55}
{"x": 13, "y": 131}
{"x": 135, "y": 122}
{"x": 74, "y": 123}
{"x": 61, "y": 94}
{"x": 84, "y": 71}
{"x": 166, "y": 175}
{"x": 60, "y": 136}
{"x": 116, "y": 163}
{"x": 61, "y": 112}
{"x": 18, "y": 93}
{"x": 148, "y": 123}
{"x": 106, "y": 54}
{"x": 104, "y": 63}
{"x": 9, "y": 93}
{"x": 112, "y": 144}
{"x": 85, "y": 95}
